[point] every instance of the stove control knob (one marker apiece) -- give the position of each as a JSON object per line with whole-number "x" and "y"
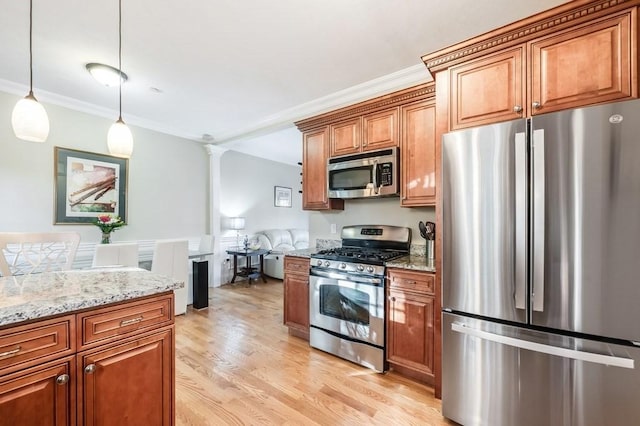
{"x": 360, "y": 268}
{"x": 369, "y": 268}
{"x": 327, "y": 263}
{"x": 343, "y": 266}
{"x": 319, "y": 263}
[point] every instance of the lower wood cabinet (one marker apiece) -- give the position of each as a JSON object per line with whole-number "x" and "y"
{"x": 410, "y": 323}
{"x": 127, "y": 384}
{"x": 41, "y": 395}
{"x": 52, "y": 374}
{"x": 296, "y": 296}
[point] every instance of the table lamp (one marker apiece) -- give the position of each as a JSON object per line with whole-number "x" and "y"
{"x": 236, "y": 223}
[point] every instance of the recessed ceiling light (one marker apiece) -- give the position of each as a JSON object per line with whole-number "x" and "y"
{"x": 105, "y": 74}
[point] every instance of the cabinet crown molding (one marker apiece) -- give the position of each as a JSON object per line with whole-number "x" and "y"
{"x": 558, "y": 18}
{"x": 416, "y": 93}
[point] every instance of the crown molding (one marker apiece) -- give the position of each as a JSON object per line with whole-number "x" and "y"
{"x": 95, "y": 110}
{"x": 561, "y": 17}
{"x": 389, "y": 83}
{"x": 404, "y": 78}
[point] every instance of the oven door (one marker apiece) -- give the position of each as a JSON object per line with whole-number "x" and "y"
{"x": 347, "y": 304}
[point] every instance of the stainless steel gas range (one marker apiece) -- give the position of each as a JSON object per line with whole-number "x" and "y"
{"x": 347, "y": 293}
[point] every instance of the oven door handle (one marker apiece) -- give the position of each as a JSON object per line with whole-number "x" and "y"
{"x": 345, "y": 277}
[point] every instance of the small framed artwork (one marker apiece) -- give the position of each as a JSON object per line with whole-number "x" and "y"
{"x": 282, "y": 196}
{"x": 87, "y": 185}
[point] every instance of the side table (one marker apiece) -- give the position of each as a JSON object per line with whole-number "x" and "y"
{"x": 248, "y": 271}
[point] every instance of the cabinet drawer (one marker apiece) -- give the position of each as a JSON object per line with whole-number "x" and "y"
{"x": 409, "y": 280}
{"x": 112, "y": 323}
{"x": 35, "y": 343}
{"x": 296, "y": 264}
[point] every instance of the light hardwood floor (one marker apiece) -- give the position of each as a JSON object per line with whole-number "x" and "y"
{"x": 237, "y": 365}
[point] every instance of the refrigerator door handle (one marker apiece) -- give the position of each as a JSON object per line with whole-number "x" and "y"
{"x": 520, "y": 220}
{"x": 538, "y": 231}
{"x": 609, "y": 360}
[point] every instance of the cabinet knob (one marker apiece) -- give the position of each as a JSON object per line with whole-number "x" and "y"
{"x": 62, "y": 379}
{"x": 536, "y": 105}
{"x": 90, "y": 368}
{"x": 517, "y": 109}
{"x": 392, "y": 299}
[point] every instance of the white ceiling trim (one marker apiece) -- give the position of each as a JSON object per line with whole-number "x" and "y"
{"x": 404, "y": 78}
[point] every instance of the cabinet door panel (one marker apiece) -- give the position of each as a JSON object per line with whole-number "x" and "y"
{"x": 410, "y": 338}
{"x": 380, "y": 130}
{"x": 34, "y": 397}
{"x": 132, "y": 383}
{"x": 296, "y": 301}
{"x": 418, "y": 155}
{"x": 583, "y": 66}
{"x": 487, "y": 90}
{"x": 346, "y": 137}
{"x": 314, "y": 170}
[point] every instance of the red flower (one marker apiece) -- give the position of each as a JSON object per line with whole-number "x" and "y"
{"x": 104, "y": 219}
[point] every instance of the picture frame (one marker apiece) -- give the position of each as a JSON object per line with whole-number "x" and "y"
{"x": 87, "y": 185}
{"x": 281, "y": 196}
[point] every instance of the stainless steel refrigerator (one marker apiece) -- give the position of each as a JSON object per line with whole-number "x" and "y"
{"x": 541, "y": 270}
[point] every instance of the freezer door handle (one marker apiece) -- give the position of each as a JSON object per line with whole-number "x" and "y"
{"x": 538, "y": 232}
{"x": 609, "y": 360}
{"x": 520, "y": 220}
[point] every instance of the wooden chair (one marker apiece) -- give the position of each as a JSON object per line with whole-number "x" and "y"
{"x": 171, "y": 258}
{"x": 122, "y": 254}
{"x": 24, "y": 253}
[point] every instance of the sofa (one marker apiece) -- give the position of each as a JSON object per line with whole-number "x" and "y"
{"x": 280, "y": 241}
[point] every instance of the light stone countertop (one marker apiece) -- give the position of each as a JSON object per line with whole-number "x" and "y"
{"x": 416, "y": 263}
{"x": 28, "y": 297}
{"x": 302, "y": 252}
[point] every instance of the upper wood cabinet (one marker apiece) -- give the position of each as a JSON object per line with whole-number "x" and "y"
{"x": 579, "y": 54}
{"x": 393, "y": 120}
{"x": 366, "y": 133}
{"x": 587, "y": 65}
{"x": 346, "y": 137}
{"x": 418, "y": 154}
{"x": 315, "y": 152}
{"x": 487, "y": 90}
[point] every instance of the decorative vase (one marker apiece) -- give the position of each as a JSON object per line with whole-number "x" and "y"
{"x": 106, "y": 238}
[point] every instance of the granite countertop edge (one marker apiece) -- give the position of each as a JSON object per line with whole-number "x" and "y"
{"x": 39, "y": 296}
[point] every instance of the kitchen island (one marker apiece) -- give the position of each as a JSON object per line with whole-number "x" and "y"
{"x": 87, "y": 347}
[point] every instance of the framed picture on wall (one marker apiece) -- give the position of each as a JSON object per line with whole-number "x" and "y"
{"x": 282, "y": 196}
{"x": 87, "y": 185}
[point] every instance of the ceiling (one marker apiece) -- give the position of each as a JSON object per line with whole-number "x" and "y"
{"x": 241, "y": 71}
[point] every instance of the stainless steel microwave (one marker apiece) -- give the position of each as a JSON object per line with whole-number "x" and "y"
{"x": 368, "y": 174}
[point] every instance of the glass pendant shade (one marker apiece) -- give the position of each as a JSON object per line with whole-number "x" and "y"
{"x": 29, "y": 120}
{"x": 120, "y": 140}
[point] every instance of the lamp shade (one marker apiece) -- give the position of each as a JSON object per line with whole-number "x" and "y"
{"x": 29, "y": 120}
{"x": 120, "y": 140}
{"x": 236, "y": 223}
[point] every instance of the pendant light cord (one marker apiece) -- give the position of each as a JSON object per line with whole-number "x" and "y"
{"x": 119, "y": 57}
{"x": 30, "y": 48}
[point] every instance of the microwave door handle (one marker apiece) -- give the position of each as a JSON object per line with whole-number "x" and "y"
{"x": 375, "y": 177}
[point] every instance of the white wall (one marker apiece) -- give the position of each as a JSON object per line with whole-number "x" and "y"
{"x": 248, "y": 190}
{"x": 376, "y": 211}
{"x": 167, "y": 188}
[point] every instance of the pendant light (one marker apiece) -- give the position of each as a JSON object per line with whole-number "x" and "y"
{"x": 29, "y": 119}
{"x": 119, "y": 138}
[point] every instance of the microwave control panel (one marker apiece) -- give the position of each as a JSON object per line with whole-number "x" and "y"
{"x": 386, "y": 174}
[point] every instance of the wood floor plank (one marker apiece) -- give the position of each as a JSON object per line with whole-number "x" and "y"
{"x": 236, "y": 364}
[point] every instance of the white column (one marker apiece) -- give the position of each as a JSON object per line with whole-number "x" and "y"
{"x": 215, "y": 153}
